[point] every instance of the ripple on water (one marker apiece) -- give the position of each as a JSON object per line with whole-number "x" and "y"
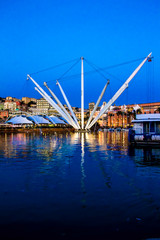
{"x": 93, "y": 181}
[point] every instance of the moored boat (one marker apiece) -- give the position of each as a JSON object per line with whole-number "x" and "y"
{"x": 111, "y": 129}
{"x": 118, "y": 129}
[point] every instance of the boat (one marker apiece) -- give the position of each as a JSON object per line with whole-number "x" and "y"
{"x": 146, "y": 130}
{"x": 111, "y": 129}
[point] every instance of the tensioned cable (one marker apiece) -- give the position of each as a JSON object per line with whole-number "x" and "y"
{"x": 120, "y": 64}
{"x": 67, "y": 71}
{"x": 153, "y": 82}
{"x": 102, "y": 69}
{"x": 86, "y": 73}
{"x": 79, "y": 74}
{"x": 98, "y": 70}
{"x": 52, "y": 67}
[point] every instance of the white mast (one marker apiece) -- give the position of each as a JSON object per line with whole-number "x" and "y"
{"x": 118, "y": 93}
{"x": 60, "y": 104}
{"x": 51, "y": 102}
{"x": 82, "y": 94}
{"x": 63, "y": 115}
{"x": 68, "y": 104}
{"x": 97, "y": 103}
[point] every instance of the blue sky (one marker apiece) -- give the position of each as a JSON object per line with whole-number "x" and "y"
{"x": 37, "y": 34}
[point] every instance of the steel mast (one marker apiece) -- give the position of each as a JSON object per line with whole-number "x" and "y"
{"x": 61, "y": 105}
{"x": 53, "y": 104}
{"x": 82, "y": 94}
{"x": 68, "y": 104}
{"x": 97, "y": 103}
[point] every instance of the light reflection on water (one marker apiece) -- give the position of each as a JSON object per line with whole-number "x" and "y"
{"x": 95, "y": 183}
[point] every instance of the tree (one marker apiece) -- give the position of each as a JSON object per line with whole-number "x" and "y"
{"x": 30, "y": 103}
{"x": 158, "y": 109}
{"x": 139, "y": 111}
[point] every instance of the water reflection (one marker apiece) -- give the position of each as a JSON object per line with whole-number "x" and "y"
{"x": 93, "y": 181}
{"x": 53, "y": 147}
{"x": 145, "y": 156}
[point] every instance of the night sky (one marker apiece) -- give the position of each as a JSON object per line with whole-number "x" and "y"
{"x": 37, "y": 34}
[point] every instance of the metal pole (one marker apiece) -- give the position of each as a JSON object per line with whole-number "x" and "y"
{"x": 97, "y": 103}
{"x": 68, "y": 104}
{"x": 60, "y": 104}
{"x": 48, "y": 99}
{"x": 82, "y": 94}
{"x": 63, "y": 115}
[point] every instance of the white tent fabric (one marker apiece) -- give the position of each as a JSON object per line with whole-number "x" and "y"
{"x": 64, "y": 120}
{"x": 35, "y": 119}
{"x": 39, "y": 120}
{"x": 56, "y": 120}
{"x": 19, "y": 120}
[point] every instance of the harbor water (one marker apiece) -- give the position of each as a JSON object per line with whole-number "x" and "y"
{"x": 78, "y": 186}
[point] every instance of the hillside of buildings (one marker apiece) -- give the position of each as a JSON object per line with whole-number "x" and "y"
{"x": 117, "y": 116}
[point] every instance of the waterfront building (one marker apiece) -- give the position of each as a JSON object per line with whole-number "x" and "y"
{"x": 150, "y": 107}
{"x": 104, "y": 118}
{"x": 122, "y": 116}
{"x": 116, "y": 116}
{"x": 119, "y": 116}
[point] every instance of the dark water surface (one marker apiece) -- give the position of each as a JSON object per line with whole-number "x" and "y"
{"x": 78, "y": 186}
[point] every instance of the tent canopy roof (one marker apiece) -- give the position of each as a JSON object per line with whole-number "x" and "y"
{"x": 19, "y": 120}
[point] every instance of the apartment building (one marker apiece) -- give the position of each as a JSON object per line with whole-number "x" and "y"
{"x": 10, "y": 105}
{"x": 43, "y": 107}
{"x": 122, "y": 116}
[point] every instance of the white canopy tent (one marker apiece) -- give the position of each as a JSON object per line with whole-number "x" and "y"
{"x": 39, "y": 119}
{"x": 55, "y": 120}
{"x": 36, "y": 120}
{"x": 19, "y": 120}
